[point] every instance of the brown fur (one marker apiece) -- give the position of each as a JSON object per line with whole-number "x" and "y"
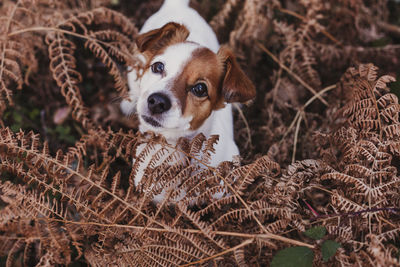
{"x": 203, "y": 67}
{"x": 154, "y": 42}
{"x": 236, "y": 87}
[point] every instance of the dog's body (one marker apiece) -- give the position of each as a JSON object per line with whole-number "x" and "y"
{"x": 188, "y": 81}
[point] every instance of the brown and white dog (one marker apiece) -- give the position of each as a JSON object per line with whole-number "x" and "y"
{"x": 188, "y": 81}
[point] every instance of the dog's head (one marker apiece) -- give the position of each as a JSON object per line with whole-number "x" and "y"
{"x": 183, "y": 82}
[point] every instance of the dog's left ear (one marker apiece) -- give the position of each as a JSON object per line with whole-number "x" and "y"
{"x": 155, "y": 40}
{"x": 236, "y": 87}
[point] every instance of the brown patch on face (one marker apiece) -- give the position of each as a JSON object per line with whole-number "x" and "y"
{"x": 203, "y": 67}
{"x": 156, "y": 41}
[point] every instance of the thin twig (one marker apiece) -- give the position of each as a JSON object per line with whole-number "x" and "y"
{"x": 243, "y": 117}
{"x": 276, "y": 86}
{"x": 37, "y": 29}
{"x": 300, "y": 80}
{"x": 290, "y": 126}
{"x": 244, "y": 243}
{"x": 163, "y": 230}
{"x": 389, "y": 27}
{"x": 356, "y": 213}
{"x": 326, "y": 89}
{"x": 296, "y": 135}
{"x": 311, "y": 208}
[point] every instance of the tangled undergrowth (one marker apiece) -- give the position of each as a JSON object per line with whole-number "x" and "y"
{"x": 320, "y": 145}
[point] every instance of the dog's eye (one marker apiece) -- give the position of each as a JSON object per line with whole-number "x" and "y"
{"x": 157, "y": 67}
{"x": 199, "y": 90}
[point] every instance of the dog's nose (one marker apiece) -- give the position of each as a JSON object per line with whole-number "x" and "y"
{"x": 158, "y": 103}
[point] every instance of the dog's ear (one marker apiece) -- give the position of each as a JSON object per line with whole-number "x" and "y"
{"x": 155, "y": 40}
{"x": 236, "y": 87}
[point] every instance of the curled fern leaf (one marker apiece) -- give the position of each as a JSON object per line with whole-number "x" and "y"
{"x": 62, "y": 65}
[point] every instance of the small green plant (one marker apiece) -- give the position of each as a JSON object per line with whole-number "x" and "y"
{"x": 293, "y": 256}
{"x": 22, "y": 118}
{"x": 64, "y": 134}
{"x": 304, "y": 256}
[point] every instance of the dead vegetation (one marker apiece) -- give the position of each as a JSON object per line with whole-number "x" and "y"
{"x": 320, "y": 143}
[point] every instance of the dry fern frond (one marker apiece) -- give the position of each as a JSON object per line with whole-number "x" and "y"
{"x": 10, "y": 70}
{"x": 242, "y": 23}
{"x": 245, "y": 175}
{"x": 97, "y": 203}
{"x": 378, "y": 254}
{"x": 62, "y": 65}
{"x": 220, "y": 20}
{"x": 14, "y": 54}
{"x": 106, "y": 33}
{"x": 365, "y": 176}
{"x": 29, "y": 224}
{"x": 252, "y": 24}
{"x": 112, "y": 45}
{"x": 373, "y": 108}
{"x": 240, "y": 257}
{"x": 129, "y": 199}
{"x": 298, "y": 53}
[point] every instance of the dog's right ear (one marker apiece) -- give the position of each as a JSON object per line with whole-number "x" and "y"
{"x": 156, "y": 40}
{"x": 236, "y": 87}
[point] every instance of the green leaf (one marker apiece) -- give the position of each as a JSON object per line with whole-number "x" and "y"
{"x": 329, "y": 249}
{"x": 381, "y": 42}
{"x": 63, "y": 130}
{"x": 34, "y": 114}
{"x": 395, "y": 86}
{"x": 294, "y": 256}
{"x": 15, "y": 127}
{"x": 317, "y": 232}
{"x": 17, "y": 117}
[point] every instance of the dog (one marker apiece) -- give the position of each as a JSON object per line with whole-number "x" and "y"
{"x": 188, "y": 81}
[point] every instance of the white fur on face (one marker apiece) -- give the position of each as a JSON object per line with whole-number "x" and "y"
{"x": 173, "y": 124}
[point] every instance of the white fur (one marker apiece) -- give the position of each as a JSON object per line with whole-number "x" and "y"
{"x": 174, "y": 125}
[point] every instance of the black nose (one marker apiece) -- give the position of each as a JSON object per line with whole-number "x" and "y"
{"x": 158, "y": 103}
